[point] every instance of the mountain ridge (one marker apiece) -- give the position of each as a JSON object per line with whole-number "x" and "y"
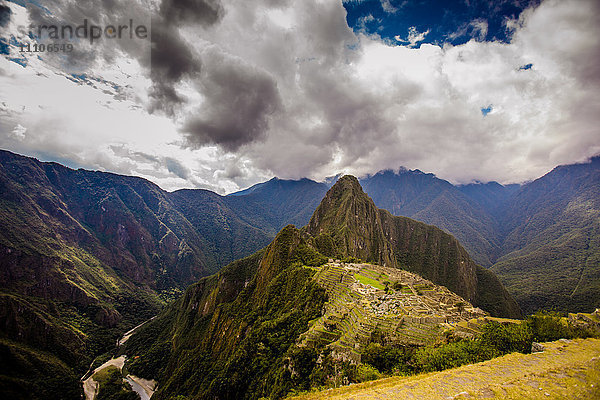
{"x": 242, "y": 333}
{"x": 491, "y": 221}
{"x": 90, "y": 254}
{"x": 349, "y": 218}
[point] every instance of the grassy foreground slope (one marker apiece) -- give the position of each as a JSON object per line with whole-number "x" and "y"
{"x": 564, "y": 370}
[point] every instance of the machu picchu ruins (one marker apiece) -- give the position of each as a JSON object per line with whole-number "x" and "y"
{"x": 370, "y": 302}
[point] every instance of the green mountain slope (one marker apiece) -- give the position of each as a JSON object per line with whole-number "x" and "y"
{"x": 283, "y": 320}
{"x": 84, "y": 256}
{"x": 426, "y": 198}
{"x": 552, "y": 246}
{"x": 349, "y": 220}
{"x": 231, "y": 334}
{"x": 541, "y": 237}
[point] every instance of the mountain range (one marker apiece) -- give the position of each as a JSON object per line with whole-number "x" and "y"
{"x": 540, "y": 238}
{"x": 236, "y": 334}
{"x": 86, "y": 255}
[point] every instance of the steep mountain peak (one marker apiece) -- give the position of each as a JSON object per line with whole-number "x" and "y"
{"x": 347, "y": 184}
{"x": 348, "y": 221}
{"x": 345, "y": 195}
{"x": 348, "y": 224}
{"x": 339, "y": 202}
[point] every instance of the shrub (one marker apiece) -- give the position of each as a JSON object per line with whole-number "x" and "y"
{"x": 450, "y": 355}
{"x": 365, "y": 372}
{"x": 547, "y": 326}
{"x": 496, "y": 339}
{"x": 388, "y": 358}
{"x": 507, "y": 338}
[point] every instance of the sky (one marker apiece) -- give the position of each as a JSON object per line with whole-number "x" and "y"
{"x": 222, "y": 94}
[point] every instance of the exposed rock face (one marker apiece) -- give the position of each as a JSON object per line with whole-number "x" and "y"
{"x": 350, "y": 217}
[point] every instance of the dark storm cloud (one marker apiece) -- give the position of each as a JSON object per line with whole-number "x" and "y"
{"x": 287, "y": 89}
{"x": 85, "y": 56}
{"x": 240, "y": 98}
{"x": 171, "y": 61}
{"x": 175, "y": 167}
{"x": 172, "y": 58}
{"x": 203, "y": 12}
{"x": 4, "y": 15}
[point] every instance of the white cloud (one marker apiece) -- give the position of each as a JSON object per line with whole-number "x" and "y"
{"x": 388, "y": 7}
{"x": 480, "y": 28}
{"x": 19, "y": 132}
{"x": 346, "y": 102}
{"x": 414, "y": 37}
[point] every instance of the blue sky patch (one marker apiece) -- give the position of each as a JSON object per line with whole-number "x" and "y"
{"x": 437, "y": 21}
{"x": 4, "y": 48}
{"x": 21, "y": 61}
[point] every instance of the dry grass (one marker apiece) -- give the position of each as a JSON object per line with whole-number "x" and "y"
{"x": 565, "y": 370}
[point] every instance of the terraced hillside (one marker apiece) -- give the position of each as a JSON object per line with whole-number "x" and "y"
{"x": 367, "y": 301}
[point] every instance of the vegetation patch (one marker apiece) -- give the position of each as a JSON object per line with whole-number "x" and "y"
{"x": 369, "y": 281}
{"x": 112, "y": 386}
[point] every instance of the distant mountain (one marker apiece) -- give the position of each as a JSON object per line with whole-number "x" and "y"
{"x": 491, "y": 196}
{"x": 459, "y": 210}
{"x": 546, "y": 228}
{"x": 280, "y": 201}
{"x": 434, "y": 201}
{"x": 236, "y": 334}
{"x": 551, "y": 246}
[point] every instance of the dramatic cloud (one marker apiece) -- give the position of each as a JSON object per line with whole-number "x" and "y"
{"x": 172, "y": 61}
{"x": 203, "y": 12}
{"x": 4, "y": 15}
{"x": 239, "y": 100}
{"x": 236, "y": 92}
{"x": 90, "y": 55}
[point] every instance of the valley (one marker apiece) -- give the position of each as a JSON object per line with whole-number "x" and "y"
{"x": 86, "y": 256}
{"x": 144, "y": 388}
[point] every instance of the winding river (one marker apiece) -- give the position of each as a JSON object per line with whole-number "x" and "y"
{"x": 145, "y": 388}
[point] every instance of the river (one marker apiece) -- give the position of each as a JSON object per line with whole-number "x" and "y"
{"x": 143, "y": 387}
